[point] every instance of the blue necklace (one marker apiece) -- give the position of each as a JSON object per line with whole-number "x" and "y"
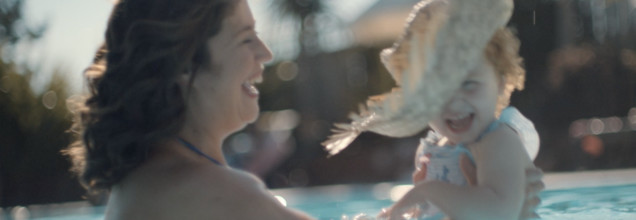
{"x": 196, "y": 150}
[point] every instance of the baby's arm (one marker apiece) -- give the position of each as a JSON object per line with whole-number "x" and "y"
{"x": 501, "y": 161}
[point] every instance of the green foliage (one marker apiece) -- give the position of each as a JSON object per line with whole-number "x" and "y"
{"x": 12, "y": 27}
{"x": 32, "y": 124}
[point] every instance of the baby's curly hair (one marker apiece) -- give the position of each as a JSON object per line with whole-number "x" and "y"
{"x": 134, "y": 99}
{"x": 502, "y": 52}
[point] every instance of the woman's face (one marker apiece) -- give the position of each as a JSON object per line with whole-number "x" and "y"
{"x": 472, "y": 108}
{"x": 223, "y": 95}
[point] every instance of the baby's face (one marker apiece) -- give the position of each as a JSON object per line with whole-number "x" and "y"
{"x": 472, "y": 108}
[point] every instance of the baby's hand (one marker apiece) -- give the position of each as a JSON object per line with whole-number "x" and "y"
{"x": 420, "y": 174}
{"x": 534, "y": 186}
{"x": 468, "y": 169}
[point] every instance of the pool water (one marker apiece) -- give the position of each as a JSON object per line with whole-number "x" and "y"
{"x": 332, "y": 202}
{"x": 611, "y": 202}
{"x": 615, "y": 202}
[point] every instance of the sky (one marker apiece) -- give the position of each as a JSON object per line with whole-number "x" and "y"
{"x": 76, "y": 27}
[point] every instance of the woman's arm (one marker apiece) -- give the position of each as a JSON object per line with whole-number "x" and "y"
{"x": 259, "y": 203}
{"x": 265, "y": 206}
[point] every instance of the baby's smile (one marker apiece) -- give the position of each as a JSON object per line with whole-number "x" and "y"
{"x": 460, "y": 123}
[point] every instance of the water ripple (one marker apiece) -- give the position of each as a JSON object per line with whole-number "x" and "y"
{"x": 615, "y": 202}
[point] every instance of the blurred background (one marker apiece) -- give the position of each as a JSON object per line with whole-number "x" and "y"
{"x": 580, "y": 57}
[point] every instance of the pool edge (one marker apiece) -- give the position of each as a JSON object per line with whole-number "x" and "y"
{"x": 596, "y": 178}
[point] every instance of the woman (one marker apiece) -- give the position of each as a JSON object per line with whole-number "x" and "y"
{"x": 173, "y": 80}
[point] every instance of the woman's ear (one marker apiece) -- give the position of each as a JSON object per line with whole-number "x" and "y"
{"x": 184, "y": 77}
{"x": 184, "y": 81}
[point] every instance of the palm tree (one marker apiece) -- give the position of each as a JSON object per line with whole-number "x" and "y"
{"x": 303, "y": 14}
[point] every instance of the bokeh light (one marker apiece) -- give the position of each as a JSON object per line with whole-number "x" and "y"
{"x": 283, "y": 120}
{"x": 632, "y": 118}
{"x": 381, "y": 191}
{"x": 398, "y": 191}
{"x": 614, "y": 124}
{"x": 282, "y": 200}
{"x": 597, "y": 126}
{"x": 578, "y": 128}
{"x": 241, "y": 143}
{"x": 287, "y": 70}
{"x": 49, "y": 99}
{"x": 592, "y": 145}
{"x": 628, "y": 57}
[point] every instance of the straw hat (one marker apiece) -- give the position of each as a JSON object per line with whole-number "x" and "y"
{"x": 442, "y": 41}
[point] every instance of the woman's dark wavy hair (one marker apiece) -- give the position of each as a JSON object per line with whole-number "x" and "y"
{"x": 134, "y": 100}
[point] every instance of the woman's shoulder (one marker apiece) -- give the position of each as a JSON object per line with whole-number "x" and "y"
{"x": 188, "y": 192}
{"x": 227, "y": 181}
{"x": 208, "y": 180}
{"x": 237, "y": 194}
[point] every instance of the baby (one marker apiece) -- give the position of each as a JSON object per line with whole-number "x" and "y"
{"x": 469, "y": 118}
{"x": 455, "y": 67}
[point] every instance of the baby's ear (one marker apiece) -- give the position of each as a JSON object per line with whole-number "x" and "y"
{"x": 502, "y": 84}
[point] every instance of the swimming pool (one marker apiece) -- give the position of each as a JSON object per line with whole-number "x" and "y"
{"x": 579, "y": 195}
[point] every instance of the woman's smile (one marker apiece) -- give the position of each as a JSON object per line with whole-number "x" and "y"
{"x": 249, "y": 88}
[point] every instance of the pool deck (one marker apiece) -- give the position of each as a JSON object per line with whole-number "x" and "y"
{"x": 565, "y": 180}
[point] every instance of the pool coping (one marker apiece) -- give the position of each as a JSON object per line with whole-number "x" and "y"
{"x": 595, "y": 178}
